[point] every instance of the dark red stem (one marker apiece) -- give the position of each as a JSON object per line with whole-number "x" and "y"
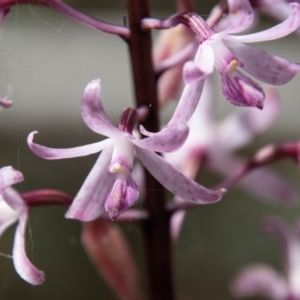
{"x": 156, "y": 227}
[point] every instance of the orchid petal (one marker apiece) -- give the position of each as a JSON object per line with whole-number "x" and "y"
{"x": 123, "y": 195}
{"x": 259, "y": 280}
{"x": 169, "y": 139}
{"x": 8, "y": 216}
{"x": 89, "y": 202}
{"x": 187, "y": 103}
{"x": 93, "y": 113}
{"x": 263, "y": 65}
{"x": 175, "y": 181}
{"x": 59, "y": 153}
{"x": 6, "y": 103}
{"x": 9, "y": 176}
{"x": 240, "y": 90}
{"x": 202, "y": 66}
{"x": 21, "y": 262}
{"x": 240, "y": 16}
{"x": 192, "y": 73}
{"x": 241, "y": 128}
{"x": 12, "y": 198}
{"x": 290, "y": 24}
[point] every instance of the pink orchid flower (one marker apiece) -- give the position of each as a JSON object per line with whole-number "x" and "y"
{"x": 110, "y": 185}
{"x": 13, "y": 209}
{"x": 226, "y": 52}
{"x": 263, "y": 280}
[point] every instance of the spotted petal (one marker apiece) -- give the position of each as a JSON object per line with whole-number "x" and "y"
{"x": 167, "y": 140}
{"x": 59, "y": 153}
{"x": 21, "y": 262}
{"x": 290, "y": 24}
{"x": 175, "y": 181}
{"x": 240, "y": 90}
{"x": 263, "y": 65}
{"x": 89, "y": 202}
{"x": 93, "y": 113}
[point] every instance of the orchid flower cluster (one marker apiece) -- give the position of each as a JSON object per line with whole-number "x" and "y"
{"x": 140, "y": 155}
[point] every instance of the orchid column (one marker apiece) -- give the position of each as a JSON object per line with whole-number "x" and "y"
{"x": 156, "y": 227}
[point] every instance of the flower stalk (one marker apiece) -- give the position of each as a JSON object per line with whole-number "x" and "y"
{"x": 156, "y": 228}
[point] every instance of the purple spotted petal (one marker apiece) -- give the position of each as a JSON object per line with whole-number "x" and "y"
{"x": 290, "y": 24}
{"x": 259, "y": 280}
{"x": 263, "y": 65}
{"x": 8, "y": 177}
{"x": 58, "y": 153}
{"x": 89, "y": 202}
{"x": 187, "y": 103}
{"x": 21, "y": 262}
{"x": 240, "y": 16}
{"x": 5, "y": 103}
{"x": 240, "y": 90}
{"x": 175, "y": 181}
{"x": 123, "y": 195}
{"x": 93, "y": 113}
{"x": 241, "y": 128}
{"x": 169, "y": 139}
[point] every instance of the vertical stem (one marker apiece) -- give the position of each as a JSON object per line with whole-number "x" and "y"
{"x": 156, "y": 235}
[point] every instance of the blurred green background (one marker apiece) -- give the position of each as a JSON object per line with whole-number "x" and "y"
{"x": 46, "y": 60}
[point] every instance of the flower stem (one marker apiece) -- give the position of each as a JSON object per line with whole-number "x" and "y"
{"x": 156, "y": 235}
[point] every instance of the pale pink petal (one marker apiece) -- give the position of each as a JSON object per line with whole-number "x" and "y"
{"x": 263, "y": 65}
{"x": 259, "y": 280}
{"x": 13, "y": 199}
{"x": 176, "y": 221}
{"x": 8, "y": 216}
{"x": 59, "y": 153}
{"x": 175, "y": 181}
{"x": 93, "y": 113}
{"x": 202, "y": 65}
{"x": 21, "y": 262}
{"x": 240, "y": 16}
{"x": 240, "y": 90}
{"x": 123, "y": 195}
{"x": 240, "y": 129}
{"x": 204, "y": 60}
{"x": 167, "y": 140}
{"x": 187, "y": 103}
{"x": 5, "y": 102}
{"x": 9, "y": 176}
{"x": 89, "y": 202}
{"x": 192, "y": 73}
{"x": 290, "y": 24}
